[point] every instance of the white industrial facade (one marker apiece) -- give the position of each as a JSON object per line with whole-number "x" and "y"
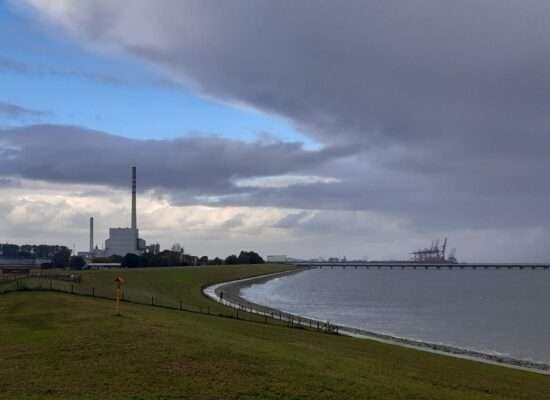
{"x": 123, "y": 241}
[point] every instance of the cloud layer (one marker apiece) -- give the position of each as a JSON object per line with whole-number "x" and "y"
{"x": 195, "y": 165}
{"x": 434, "y": 114}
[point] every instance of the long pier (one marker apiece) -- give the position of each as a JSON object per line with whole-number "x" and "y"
{"x": 419, "y": 265}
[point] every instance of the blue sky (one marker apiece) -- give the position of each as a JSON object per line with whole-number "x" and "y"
{"x": 126, "y": 97}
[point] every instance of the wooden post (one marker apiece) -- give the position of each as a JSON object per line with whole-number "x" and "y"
{"x": 118, "y": 300}
{"x": 119, "y": 281}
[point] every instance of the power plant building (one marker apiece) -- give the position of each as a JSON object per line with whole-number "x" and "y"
{"x": 126, "y": 240}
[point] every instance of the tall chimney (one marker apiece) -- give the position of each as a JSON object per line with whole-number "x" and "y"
{"x": 91, "y": 235}
{"x": 134, "y": 216}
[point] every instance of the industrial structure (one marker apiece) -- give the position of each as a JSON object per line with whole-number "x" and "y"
{"x": 91, "y": 235}
{"x": 124, "y": 240}
{"x": 434, "y": 253}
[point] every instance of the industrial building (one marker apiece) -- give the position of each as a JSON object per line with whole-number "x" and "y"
{"x": 126, "y": 240}
{"x": 121, "y": 241}
{"x": 435, "y": 253}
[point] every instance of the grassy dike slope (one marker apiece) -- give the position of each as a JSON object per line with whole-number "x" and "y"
{"x": 61, "y": 346}
{"x": 169, "y": 286}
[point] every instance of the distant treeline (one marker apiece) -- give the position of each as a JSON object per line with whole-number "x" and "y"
{"x": 170, "y": 258}
{"x": 30, "y": 251}
{"x": 60, "y": 257}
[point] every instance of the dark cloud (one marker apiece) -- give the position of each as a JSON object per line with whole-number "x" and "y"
{"x": 205, "y": 169}
{"x": 235, "y": 222}
{"x": 196, "y": 165}
{"x": 14, "y": 111}
{"x": 9, "y": 183}
{"x": 363, "y": 71}
{"x": 292, "y": 220}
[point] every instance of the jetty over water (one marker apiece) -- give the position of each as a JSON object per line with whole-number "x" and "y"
{"x": 418, "y": 265}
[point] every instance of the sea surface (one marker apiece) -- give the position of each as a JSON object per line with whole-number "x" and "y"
{"x": 505, "y": 312}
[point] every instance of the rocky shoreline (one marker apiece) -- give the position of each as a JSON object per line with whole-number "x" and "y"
{"x": 229, "y": 294}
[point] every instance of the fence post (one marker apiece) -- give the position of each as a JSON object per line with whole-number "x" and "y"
{"x": 181, "y": 306}
{"x": 51, "y": 284}
{"x": 93, "y": 292}
{"x": 72, "y": 289}
{"x": 152, "y": 301}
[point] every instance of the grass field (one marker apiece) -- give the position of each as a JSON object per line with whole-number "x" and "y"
{"x": 56, "y": 345}
{"x": 170, "y": 286}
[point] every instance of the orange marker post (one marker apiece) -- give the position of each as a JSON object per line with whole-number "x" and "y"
{"x": 119, "y": 281}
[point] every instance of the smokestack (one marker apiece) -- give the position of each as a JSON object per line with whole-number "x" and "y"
{"x": 91, "y": 235}
{"x": 134, "y": 216}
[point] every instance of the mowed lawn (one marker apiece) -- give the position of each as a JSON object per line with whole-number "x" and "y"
{"x": 170, "y": 286}
{"x": 55, "y": 345}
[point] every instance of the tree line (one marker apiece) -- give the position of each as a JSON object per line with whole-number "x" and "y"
{"x": 166, "y": 258}
{"x": 170, "y": 258}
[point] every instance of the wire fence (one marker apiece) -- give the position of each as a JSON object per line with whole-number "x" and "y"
{"x": 244, "y": 312}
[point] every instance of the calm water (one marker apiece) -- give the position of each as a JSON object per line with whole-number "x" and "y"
{"x": 505, "y": 312}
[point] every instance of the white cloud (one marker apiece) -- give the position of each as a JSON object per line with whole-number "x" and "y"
{"x": 282, "y": 181}
{"x": 35, "y": 211}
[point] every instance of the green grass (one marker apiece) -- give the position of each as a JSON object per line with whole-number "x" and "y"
{"x": 169, "y": 286}
{"x": 58, "y": 346}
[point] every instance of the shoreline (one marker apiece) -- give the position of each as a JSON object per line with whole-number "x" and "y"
{"x": 232, "y": 298}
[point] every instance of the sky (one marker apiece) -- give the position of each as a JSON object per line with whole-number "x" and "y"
{"x": 313, "y": 129}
